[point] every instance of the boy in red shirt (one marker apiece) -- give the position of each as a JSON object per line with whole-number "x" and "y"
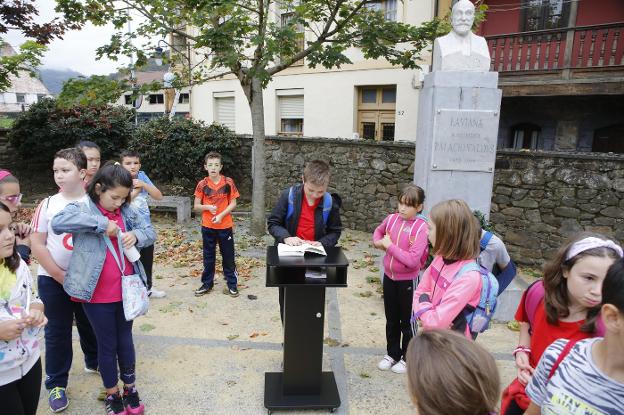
{"x": 215, "y": 198}
{"x": 298, "y": 216}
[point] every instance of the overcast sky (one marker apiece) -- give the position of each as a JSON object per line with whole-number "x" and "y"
{"x": 77, "y": 49}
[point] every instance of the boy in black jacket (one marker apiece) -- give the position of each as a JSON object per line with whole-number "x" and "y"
{"x": 306, "y": 213}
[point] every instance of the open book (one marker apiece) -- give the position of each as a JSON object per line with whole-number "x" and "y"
{"x": 287, "y": 250}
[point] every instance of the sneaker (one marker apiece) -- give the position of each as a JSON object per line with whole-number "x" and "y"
{"x": 400, "y": 367}
{"x": 57, "y": 399}
{"x": 115, "y": 405}
{"x": 132, "y": 402}
{"x": 204, "y": 289}
{"x": 233, "y": 292}
{"x": 386, "y": 363}
{"x": 91, "y": 370}
{"x": 154, "y": 293}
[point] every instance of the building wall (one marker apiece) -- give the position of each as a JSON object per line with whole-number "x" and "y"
{"x": 330, "y": 102}
{"x": 582, "y": 116}
{"x": 599, "y": 12}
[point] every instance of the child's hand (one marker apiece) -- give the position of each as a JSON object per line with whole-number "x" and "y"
{"x": 212, "y": 209}
{"x": 22, "y": 230}
{"x": 377, "y": 244}
{"x": 36, "y": 318}
{"x": 293, "y": 241}
{"x": 128, "y": 239}
{"x": 525, "y": 371}
{"x": 138, "y": 184}
{"x": 386, "y": 242}
{"x": 524, "y": 376}
{"x": 217, "y": 218}
{"x": 313, "y": 243}
{"x": 112, "y": 229}
{"x": 11, "y": 329}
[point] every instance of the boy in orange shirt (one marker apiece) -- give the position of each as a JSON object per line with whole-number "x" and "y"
{"x": 215, "y": 198}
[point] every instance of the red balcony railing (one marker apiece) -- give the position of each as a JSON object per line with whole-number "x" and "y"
{"x": 596, "y": 46}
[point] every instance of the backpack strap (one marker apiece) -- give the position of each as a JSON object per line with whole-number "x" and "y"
{"x": 485, "y": 240}
{"x": 471, "y": 266}
{"x": 327, "y": 206}
{"x": 566, "y": 350}
{"x": 291, "y": 203}
{"x": 534, "y": 295}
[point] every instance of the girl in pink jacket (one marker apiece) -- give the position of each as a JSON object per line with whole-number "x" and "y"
{"x": 403, "y": 235}
{"x": 442, "y": 296}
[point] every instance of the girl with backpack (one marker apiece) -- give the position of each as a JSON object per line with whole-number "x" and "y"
{"x": 589, "y": 372}
{"x": 403, "y": 236}
{"x": 442, "y": 296}
{"x": 565, "y": 304}
{"x": 103, "y": 227}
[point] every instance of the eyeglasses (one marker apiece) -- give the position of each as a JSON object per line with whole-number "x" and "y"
{"x": 15, "y": 199}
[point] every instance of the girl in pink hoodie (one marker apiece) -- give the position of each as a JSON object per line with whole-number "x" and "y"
{"x": 403, "y": 235}
{"x": 442, "y": 296}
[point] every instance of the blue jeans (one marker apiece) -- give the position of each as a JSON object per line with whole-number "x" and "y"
{"x": 60, "y": 311}
{"x": 115, "y": 342}
{"x": 225, "y": 239}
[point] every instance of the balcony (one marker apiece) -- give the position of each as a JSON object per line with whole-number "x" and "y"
{"x": 577, "y": 60}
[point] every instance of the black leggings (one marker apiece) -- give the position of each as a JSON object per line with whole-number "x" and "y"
{"x": 21, "y": 397}
{"x": 147, "y": 259}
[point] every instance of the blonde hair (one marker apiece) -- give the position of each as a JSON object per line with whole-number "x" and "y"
{"x": 316, "y": 172}
{"x": 457, "y": 232}
{"x": 450, "y": 375}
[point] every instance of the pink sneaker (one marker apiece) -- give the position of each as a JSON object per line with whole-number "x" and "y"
{"x": 132, "y": 402}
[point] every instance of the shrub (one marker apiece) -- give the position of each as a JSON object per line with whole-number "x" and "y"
{"x": 173, "y": 150}
{"x": 45, "y": 128}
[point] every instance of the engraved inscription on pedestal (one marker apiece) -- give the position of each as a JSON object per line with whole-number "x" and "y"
{"x": 464, "y": 140}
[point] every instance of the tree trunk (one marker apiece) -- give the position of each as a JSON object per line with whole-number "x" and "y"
{"x": 258, "y": 212}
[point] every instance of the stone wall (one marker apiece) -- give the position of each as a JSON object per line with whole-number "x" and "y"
{"x": 540, "y": 199}
{"x": 6, "y": 152}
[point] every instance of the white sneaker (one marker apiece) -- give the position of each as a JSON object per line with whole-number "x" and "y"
{"x": 386, "y": 363}
{"x": 154, "y": 293}
{"x": 91, "y": 370}
{"x": 400, "y": 367}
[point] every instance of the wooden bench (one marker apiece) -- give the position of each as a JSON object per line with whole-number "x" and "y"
{"x": 182, "y": 205}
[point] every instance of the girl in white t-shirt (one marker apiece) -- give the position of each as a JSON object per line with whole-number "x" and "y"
{"x": 21, "y": 320}
{"x": 585, "y": 377}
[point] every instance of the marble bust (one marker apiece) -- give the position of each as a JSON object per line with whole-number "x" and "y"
{"x": 461, "y": 50}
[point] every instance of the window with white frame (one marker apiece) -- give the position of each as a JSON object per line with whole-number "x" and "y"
{"x": 387, "y": 7}
{"x": 156, "y": 99}
{"x": 287, "y": 19}
{"x": 224, "y": 109}
{"x": 21, "y": 98}
{"x": 184, "y": 98}
{"x": 290, "y": 111}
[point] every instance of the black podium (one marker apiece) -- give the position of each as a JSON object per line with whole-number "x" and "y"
{"x": 303, "y": 384}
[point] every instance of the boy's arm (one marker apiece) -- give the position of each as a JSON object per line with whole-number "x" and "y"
{"x": 228, "y": 209}
{"x": 40, "y": 251}
{"x": 135, "y": 192}
{"x": 276, "y": 221}
{"x": 198, "y": 207}
{"x": 149, "y": 187}
{"x": 333, "y": 229}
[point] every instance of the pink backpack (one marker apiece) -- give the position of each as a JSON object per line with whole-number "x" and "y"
{"x": 534, "y": 296}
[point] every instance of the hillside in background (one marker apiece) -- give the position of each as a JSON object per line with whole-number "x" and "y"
{"x": 53, "y": 78}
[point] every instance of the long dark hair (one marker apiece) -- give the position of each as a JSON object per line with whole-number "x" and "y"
{"x": 12, "y": 262}
{"x": 109, "y": 177}
{"x": 556, "y": 300}
{"x": 613, "y": 285}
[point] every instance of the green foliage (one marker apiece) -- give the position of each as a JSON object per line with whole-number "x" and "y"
{"x": 28, "y": 58}
{"x": 95, "y": 90}
{"x": 174, "y": 150}
{"x": 485, "y": 224}
{"x": 46, "y": 128}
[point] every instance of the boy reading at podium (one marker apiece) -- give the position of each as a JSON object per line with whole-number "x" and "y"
{"x": 307, "y": 213}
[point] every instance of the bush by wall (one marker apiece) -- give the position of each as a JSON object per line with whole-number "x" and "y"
{"x": 173, "y": 150}
{"x": 45, "y": 128}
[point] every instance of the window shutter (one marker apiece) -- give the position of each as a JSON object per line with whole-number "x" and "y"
{"x": 291, "y": 107}
{"x": 225, "y": 112}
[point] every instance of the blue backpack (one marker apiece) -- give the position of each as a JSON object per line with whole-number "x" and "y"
{"x": 327, "y": 205}
{"x": 478, "y": 320}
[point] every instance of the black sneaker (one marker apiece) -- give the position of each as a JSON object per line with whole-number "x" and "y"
{"x": 233, "y": 292}
{"x": 204, "y": 289}
{"x": 114, "y": 404}
{"x": 132, "y": 402}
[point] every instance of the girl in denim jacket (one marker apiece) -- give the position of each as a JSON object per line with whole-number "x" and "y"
{"x": 21, "y": 320}
{"x": 94, "y": 276}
